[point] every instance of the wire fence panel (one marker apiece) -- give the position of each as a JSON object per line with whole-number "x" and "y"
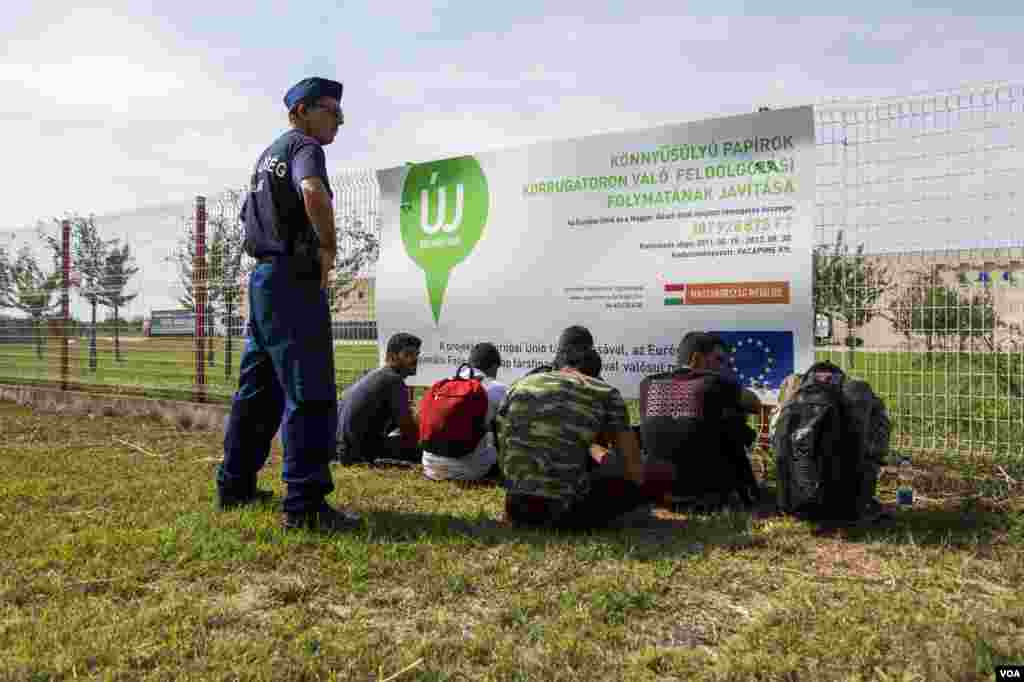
{"x": 919, "y": 276}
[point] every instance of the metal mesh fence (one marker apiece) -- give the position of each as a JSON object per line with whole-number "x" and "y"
{"x": 919, "y": 276}
{"x": 157, "y": 301}
{"x": 919, "y": 280}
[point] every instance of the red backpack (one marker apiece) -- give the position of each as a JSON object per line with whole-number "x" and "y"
{"x": 453, "y": 416}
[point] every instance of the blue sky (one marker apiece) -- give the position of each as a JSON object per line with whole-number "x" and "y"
{"x": 130, "y": 105}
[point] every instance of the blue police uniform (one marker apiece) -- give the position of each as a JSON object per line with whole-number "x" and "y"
{"x": 286, "y": 374}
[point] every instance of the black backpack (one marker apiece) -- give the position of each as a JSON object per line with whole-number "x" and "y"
{"x": 816, "y": 451}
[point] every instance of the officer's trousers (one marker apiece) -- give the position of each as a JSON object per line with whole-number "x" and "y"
{"x": 286, "y": 379}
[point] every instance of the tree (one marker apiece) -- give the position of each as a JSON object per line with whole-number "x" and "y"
{"x": 225, "y": 268}
{"x": 942, "y": 315}
{"x": 847, "y": 285}
{"x": 976, "y": 316}
{"x": 358, "y": 248}
{"x": 27, "y": 288}
{"x": 5, "y": 277}
{"x": 89, "y": 256}
{"x": 118, "y": 268}
{"x": 904, "y": 308}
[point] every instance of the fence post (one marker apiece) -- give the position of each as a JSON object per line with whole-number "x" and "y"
{"x": 199, "y": 299}
{"x": 65, "y": 303}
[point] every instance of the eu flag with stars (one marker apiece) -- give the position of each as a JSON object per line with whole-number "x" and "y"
{"x": 762, "y": 359}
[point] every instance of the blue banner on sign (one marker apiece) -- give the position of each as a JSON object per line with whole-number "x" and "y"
{"x": 763, "y": 359}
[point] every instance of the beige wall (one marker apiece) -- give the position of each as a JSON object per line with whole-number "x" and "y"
{"x": 947, "y": 266}
{"x": 356, "y": 305}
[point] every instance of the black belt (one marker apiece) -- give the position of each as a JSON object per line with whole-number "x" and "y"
{"x": 266, "y": 260}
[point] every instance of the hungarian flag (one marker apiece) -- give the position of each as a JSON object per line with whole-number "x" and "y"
{"x": 761, "y": 359}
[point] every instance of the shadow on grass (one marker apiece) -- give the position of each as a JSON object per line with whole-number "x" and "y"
{"x": 649, "y": 535}
{"x": 950, "y": 526}
{"x": 966, "y": 522}
{"x": 640, "y": 535}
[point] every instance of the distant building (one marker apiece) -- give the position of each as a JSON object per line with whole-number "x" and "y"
{"x": 357, "y": 302}
{"x": 999, "y": 271}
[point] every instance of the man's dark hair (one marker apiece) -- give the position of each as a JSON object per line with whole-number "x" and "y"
{"x": 573, "y": 355}
{"x": 403, "y": 341}
{"x": 484, "y": 356}
{"x": 591, "y": 364}
{"x": 696, "y": 342}
{"x": 575, "y": 335}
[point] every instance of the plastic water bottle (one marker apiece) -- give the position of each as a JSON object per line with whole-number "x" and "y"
{"x": 905, "y": 492}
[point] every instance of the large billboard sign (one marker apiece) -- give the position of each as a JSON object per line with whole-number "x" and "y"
{"x": 640, "y": 236}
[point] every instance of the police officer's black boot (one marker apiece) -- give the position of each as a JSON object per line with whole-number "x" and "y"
{"x": 325, "y": 519}
{"x": 233, "y": 498}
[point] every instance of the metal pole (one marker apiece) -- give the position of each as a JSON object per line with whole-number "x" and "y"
{"x": 65, "y": 302}
{"x": 199, "y": 298}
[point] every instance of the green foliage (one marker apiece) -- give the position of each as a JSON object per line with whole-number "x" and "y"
{"x": 944, "y": 316}
{"x": 224, "y": 267}
{"x": 615, "y": 606}
{"x": 28, "y": 288}
{"x": 847, "y": 284}
{"x": 118, "y": 268}
{"x": 104, "y": 266}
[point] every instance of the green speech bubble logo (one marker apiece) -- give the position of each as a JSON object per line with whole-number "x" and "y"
{"x": 445, "y": 207}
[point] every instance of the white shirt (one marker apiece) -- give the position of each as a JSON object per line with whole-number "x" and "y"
{"x": 477, "y": 463}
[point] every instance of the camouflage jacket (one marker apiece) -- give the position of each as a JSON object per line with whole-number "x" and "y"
{"x": 545, "y": 427}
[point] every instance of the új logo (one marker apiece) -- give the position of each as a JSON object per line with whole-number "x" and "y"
{"x": 446, "y": 206}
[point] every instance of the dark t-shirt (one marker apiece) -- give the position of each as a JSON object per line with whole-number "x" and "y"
{"x": 682, "y": 413}
{"x": 370, "y": 409}
{"x": 274, "y": 213}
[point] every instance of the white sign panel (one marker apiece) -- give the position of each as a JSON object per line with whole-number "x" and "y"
{"x": 639, "y": 236}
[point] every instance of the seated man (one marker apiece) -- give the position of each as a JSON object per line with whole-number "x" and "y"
{"x": 574, "y": 335}
{"x": 484, "y": 361}
{"x": 694, "y": 417}
{"x": 376, "y": 405}
{"x": 548, "y": 426}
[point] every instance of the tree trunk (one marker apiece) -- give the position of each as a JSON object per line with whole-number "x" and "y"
{"x": 117, "y": 338}
{"x": 851, "y": 339}
{"x": 92, "y": 340}
{"x": 36, "y": 325}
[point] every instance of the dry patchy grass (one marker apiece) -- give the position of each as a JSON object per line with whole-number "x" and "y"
{"x": 116, "y": 566}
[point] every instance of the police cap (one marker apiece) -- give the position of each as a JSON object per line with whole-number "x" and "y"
{"x": 312, "y": 88}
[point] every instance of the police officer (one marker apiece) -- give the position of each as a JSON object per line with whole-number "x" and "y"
{"x": 287, "y": 369}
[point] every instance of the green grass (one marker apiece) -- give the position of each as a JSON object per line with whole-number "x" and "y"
{"x": 155, "y": 367}
{"x": 963, "y": 402}
{"x": 116, "y": 566}
{"x": 968, "y": 403}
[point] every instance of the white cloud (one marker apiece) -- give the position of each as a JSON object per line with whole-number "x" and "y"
{"x": 94, "y": 80}
{"x": 106, "y": 110}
